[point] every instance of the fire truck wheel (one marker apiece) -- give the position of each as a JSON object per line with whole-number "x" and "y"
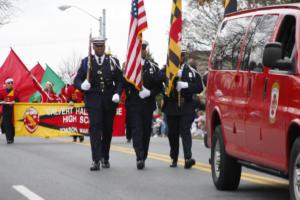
{"x": 294, "y": 171}
{"x": 226, "y": 171}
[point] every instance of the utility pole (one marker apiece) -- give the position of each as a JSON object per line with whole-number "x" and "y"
{"x": 104, "y": 23}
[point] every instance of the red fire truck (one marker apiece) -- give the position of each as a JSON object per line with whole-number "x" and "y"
{"x": 253, "y": 96}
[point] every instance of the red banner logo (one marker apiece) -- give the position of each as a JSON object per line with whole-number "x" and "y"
{"x": 31, "y": 119}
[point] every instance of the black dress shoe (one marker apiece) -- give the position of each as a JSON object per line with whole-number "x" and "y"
{"x": 189, "y": 163}
{"x": 81, "y": 138}
{"x": 173, "y": 164}
{"x": 9, "y": 141}
{"x": 105, "y": 163}
{"x": 140, "y": 164}
{"x": 95, "y": 166}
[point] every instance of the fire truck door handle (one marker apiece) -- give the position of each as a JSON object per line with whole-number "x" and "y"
{"x": 249, "y": 87}
{"x": 265, "y": 88}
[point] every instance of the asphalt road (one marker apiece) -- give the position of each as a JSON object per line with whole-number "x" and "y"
{"x": 58, "y": 169}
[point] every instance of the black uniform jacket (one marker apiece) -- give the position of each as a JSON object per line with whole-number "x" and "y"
{"x": 105, "y": 79}
{"x": 187, "y": 103}
{"x": 133, "y": 101}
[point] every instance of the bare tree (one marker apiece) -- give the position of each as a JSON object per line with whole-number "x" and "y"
{"x": 253, "y": 2}
{"x": 202, "y": 18}
{"x": 6, "y": 10}
{"x": 259, "y": 3}
{"x": 69, "y": 67}
{"x": 200, "y": 23}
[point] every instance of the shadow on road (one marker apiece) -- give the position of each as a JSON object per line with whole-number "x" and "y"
{"x": 265, "y": 192}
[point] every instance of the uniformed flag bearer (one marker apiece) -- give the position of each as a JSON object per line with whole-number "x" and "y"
{"x": 140, "y": 106}
{"x": 102, "y": 90}
{"x": 180, "y": 110}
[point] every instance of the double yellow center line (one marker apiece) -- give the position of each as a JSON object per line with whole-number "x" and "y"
{"x": 253, "y": 178}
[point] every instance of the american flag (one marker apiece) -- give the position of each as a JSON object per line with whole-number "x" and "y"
{"x": 138, "y": 23}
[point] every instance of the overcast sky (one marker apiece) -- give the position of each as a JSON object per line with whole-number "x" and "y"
{"x": 39, "y": 31}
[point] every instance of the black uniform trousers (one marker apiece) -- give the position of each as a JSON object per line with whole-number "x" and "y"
{"x": 101, "y": 125}
{"x": 180, "y": 125}
{"x": 140, "y": 123}
{"x": 96, "y": 132}
{"x": 7, "y": 124}
{"x": 108, "y": 122}
{"x": 128, "y": 129}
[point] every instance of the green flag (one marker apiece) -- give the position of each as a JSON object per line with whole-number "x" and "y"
{"x": 49, "y": 75}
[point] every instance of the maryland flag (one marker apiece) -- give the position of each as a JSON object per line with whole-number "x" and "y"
{"x": 230, "y": 6}
{"x": 174, "y": 53}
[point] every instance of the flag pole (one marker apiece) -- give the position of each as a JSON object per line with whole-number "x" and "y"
{"x": 179, "y": 79}
{"x": 179, "y": 99}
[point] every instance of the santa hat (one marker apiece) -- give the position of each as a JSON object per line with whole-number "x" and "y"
{"x": 9, "y": 80}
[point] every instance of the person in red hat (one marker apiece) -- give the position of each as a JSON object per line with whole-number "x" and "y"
{"x": 48, "y": 95}
{"x": 8, "y": 98}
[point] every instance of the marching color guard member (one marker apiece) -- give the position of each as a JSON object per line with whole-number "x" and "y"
{"x": 102, "y": 91}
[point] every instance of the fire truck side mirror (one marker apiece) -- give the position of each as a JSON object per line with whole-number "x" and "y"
{"x": 272, "y": 57}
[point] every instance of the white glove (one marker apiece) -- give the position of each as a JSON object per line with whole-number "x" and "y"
{"x": 144, "y": 93}
{"x": 85, "y": 85}
{"x": 116, "y": 98}
{"x": 181, "y": 85}
{"x": 179, "y": 73}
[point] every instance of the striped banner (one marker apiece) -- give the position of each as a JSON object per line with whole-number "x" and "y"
{"x": 174, "y": 53}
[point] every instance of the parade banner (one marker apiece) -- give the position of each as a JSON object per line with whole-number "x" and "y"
{"x": 119, "y": 121}
{"x": 59, "y": 119}
{"x": 120, "y": 118}
{"x": 50, "y": 120}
